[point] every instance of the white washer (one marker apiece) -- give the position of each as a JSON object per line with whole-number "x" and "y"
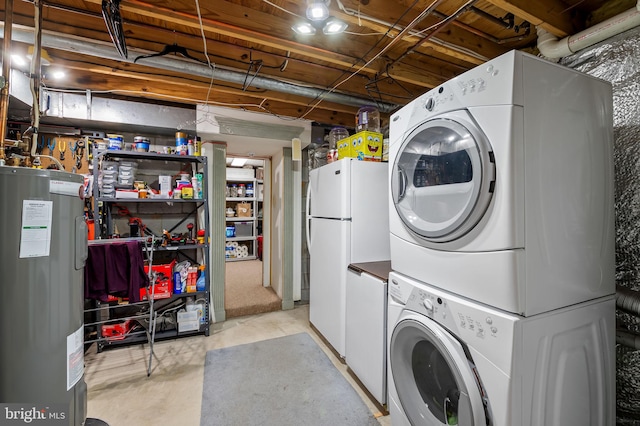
{"x": 502, "y": 186}
{"x": 453, "y": 361}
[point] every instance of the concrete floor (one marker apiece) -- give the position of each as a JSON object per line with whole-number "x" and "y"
{"x": 121, "y": 394}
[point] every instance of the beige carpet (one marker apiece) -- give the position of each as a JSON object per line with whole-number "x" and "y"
{"x": 244, "y": 293}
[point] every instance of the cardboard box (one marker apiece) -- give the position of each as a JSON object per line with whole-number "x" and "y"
{"x": 365, "y": 146}
{"x": 240, "y": 173}
{"x": 243, "y": 210}
{"x": 165, "y": 185}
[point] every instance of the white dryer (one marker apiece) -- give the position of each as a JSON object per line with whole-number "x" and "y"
{"x": 501, "y": 184}
{"x": 457, "y": 362}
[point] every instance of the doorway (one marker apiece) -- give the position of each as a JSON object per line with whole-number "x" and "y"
{"x": 247, "y": 273}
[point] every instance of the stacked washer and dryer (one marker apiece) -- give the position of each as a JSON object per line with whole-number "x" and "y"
{"x": 501, "y": 304}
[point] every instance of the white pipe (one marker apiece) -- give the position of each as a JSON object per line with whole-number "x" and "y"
{"x": 552, "y": 48}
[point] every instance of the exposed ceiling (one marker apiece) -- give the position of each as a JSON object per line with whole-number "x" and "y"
{"x": 392, "y": 51}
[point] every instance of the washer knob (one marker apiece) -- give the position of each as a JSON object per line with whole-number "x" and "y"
{"x": 430, "y": 104}
{"x": 428, "y": 304}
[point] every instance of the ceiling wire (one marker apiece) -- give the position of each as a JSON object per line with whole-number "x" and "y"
{"x": 206, "y": 54}
{"x": 336, "y": 83}
{"x": 399, "y": 37}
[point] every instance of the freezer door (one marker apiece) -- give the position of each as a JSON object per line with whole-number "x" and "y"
{"x": 330, "y": 190}
{"x": 329, "y": 250}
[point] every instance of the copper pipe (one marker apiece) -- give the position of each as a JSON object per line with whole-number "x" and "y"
{"x": 6, "y": 72}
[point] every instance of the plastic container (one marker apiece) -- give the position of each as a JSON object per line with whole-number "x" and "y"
{"x": 115, "y": 142}
{"x": 241, "y": 190}
{"x": 250, "y": 192}
{"x": 233, "y": 191}
{"x": 177, "y": 283}
{"x": 337, "y": 134}
{"x": 142, "y": 143}
{"x": 368, "y": 119}
{"x": 181, "y": 143}
{"x": 200, "y": 284}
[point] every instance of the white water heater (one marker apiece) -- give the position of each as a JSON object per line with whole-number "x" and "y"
{"x": 43, "y": 248}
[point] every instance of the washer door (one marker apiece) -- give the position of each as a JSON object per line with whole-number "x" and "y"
{"x": 435, "y": 382}
{"x": 443, "y": 177}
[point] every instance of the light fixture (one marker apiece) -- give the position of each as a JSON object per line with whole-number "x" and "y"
{"x": 304, "y": 28}
{"x": 18, "y": 60}
{"x": 318, "y": 17}
{"x": 334, "y": 26}
{"x": 58, "y": 74}
{"x": 238, "y": 162}
{"x": 318, "y": 10}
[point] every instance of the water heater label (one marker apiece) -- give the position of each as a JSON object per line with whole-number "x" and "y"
{"x": 65, "y": 188}
{"x": 75, "y": 357}
{"x": 35, "y": 234}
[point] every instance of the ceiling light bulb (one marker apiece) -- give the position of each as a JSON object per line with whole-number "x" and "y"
{"x": 238, "y": 162}
{"x": 58, "y": 74}
{"x": 304, "y": 28}
{"x": 334, "y": 26}
{"x": 18, "y": 60}
{"x": 317, "y": 10}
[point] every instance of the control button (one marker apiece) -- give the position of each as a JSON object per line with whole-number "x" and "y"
{"x": 490, "y": 69}
{"x": 489, "y": 320}
{"x": 494, "y": 330}
{"x": 428, "y": 304}
{"x": 430, "y": 104}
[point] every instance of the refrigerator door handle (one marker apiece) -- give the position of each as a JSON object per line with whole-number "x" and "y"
{"x": 308, "y": 224}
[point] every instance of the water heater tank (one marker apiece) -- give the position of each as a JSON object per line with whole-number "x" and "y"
{"x": 43, "y": 247}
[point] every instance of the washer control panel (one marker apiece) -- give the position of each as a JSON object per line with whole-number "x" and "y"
{"x": 459, "y": 315}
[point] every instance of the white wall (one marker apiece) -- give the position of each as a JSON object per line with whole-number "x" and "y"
{"x": 277, "y": 223}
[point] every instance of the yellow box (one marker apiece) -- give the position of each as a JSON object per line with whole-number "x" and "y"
{"x": 365, "y": 146}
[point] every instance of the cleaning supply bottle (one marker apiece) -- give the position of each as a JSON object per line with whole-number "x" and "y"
{"x": 201, "y": 284}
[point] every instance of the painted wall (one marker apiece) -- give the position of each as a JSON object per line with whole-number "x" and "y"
{"x": 616, "y": 60}
{"x": 277, "y": 223}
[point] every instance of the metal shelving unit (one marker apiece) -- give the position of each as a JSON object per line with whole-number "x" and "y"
{"x": 235, "y": 243}
{"x": 164, "y": 216}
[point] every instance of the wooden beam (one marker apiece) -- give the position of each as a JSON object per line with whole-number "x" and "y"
{"x": 552, "y": 15}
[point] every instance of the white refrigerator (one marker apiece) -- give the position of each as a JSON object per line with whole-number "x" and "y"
{"x": 347, "y": 222}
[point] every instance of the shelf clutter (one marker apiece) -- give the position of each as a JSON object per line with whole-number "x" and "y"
{"x": 243, "y": 203}
{"x": 160, "y": 199}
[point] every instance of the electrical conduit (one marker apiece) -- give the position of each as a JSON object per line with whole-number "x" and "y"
{"x": 552, "y": 48}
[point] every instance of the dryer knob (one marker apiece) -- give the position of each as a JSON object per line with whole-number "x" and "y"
{"x": 428, "y": 304}
{"x": 430, "y": 104}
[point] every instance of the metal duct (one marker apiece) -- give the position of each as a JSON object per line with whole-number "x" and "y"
{"x": 630, "y": 340}
{"x": 628, "y": 300}
{"x": 103, "y": 50}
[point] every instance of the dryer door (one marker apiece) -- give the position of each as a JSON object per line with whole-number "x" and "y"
{"x": 443, "y": 177}
{"x": 435, "y": 382}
